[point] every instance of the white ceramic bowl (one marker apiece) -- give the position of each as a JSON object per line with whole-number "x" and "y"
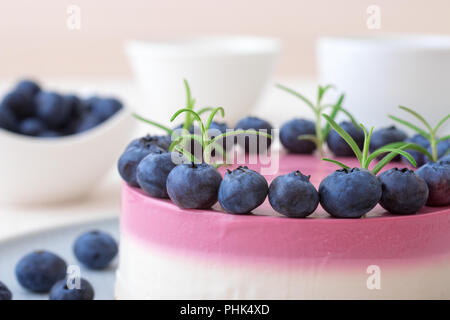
{"x": 378, "y": 73}
{"x": 222, "y": 71}
{"x": 45, "y": 170}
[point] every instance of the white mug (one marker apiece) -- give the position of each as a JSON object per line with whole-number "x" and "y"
{"x": 379, "y": 73}
{"x": 227, "y": 71}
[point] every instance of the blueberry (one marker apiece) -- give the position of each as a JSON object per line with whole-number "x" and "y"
{"x": 75, "y": 104}
{"x": 256, "y": 124}
{"x": 442, "y": 148}
{"x": 193, "y": 186}
{"x": 338, "y": 145}
{"x": 217, "y": 128}
{"x": 95, "y": 249}
{"x": 221, "y": 126}
{"x": 5, "y": 294}
{"x": 131, "y": 158}
{"x": 60, "y": 291}
{"x": 87, "y": 122}
{"x": 349, "y": 193}
{"x": 242, "y": 190}
{"x": 404, "y": 192}
{"x": 290, "y": 131}
{"x": 20, "y": 105}
{"x": 385, "y": 136}
{"x": 28, "y": 88}
{"x": 152, "y": 174}
{"x": 437, "y": 177}
{"x": 104, "y": 108}
{"x": 32, "y": 127}
{"x": 52, "y": 109}
{"x": 293, "y": 195}
{"x": 40, "y": 270}
{"x": 7, "y": 119}
{"x": 49, "y": 134}
{"x": 160, "y": 141}
{"x": 418, "y": 156}
{"x": 445, "y": 158}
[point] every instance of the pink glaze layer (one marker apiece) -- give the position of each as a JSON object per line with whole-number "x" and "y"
{"x": 212, "y": 232}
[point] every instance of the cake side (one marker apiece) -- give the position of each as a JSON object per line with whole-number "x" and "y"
{"x": 171, "y": 253}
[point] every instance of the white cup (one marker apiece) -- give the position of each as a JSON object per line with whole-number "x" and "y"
{"x": 379, "y": 73}
{"x": 230, "y": 72}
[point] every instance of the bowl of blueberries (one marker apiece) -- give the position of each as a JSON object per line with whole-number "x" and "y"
{"x": 57, "y": 146}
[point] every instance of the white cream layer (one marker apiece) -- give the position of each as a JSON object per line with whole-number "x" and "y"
{"x": 150, "y": 272}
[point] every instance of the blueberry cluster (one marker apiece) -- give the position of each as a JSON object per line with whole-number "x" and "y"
{"x": 31, "y": 111}
{"x": 43, "y": 271}
{"x": 346, "y": 193}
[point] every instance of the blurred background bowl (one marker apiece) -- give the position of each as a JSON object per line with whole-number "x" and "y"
{"x": 46, "y": 170}
{"x": 379, "y": 73}
{"x": 222, "y": 71}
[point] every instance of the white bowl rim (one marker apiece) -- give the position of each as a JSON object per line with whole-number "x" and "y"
{"x": 204, "y": 46}
{"x": 397, "y": 41}
{"x": 70, "y": 139}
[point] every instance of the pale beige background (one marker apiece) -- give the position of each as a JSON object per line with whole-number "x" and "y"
{"x": 34, "y": 38}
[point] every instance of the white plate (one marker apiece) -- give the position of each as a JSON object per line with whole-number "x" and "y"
{"x": 59, "y": 241}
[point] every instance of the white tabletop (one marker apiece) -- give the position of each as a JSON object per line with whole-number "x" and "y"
{"x": 104, "y": 201}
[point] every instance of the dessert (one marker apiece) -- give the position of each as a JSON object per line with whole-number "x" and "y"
{"x": 283, "y": 246}
{"x": 172, "y": 253}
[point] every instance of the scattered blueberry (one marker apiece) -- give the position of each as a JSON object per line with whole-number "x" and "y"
{"x": 131, "y": 158}
{"x": 349, "y": 193}
{"x": 258, "y": 125}
{"x": 338, "y": 145}
{"x": 420, "y": 158}
{"x": 28, "y": 88}
{"x": 152, "y": 173}
{"x": 32, "y": 127}
{"x": 160, "y": 141}
{"x": 5, "y": 293}
{"x": 242, "y": 190}
{"x": 40, "y": 270}
{"x": 437, "y": 177}
{"x": 404, "y": 192}
{"x": 291, "y": 130}
{"x": 193, "y": 186}
{"x": 20, "y": 105}
{"x": 104, "y": 108}
{"x": 385, "y": 136}
{"x": 95, "y": 249}
{"x": 52, "y": 110}
{"x": 293, "y": 195}
{"x": 60, "y": 291}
